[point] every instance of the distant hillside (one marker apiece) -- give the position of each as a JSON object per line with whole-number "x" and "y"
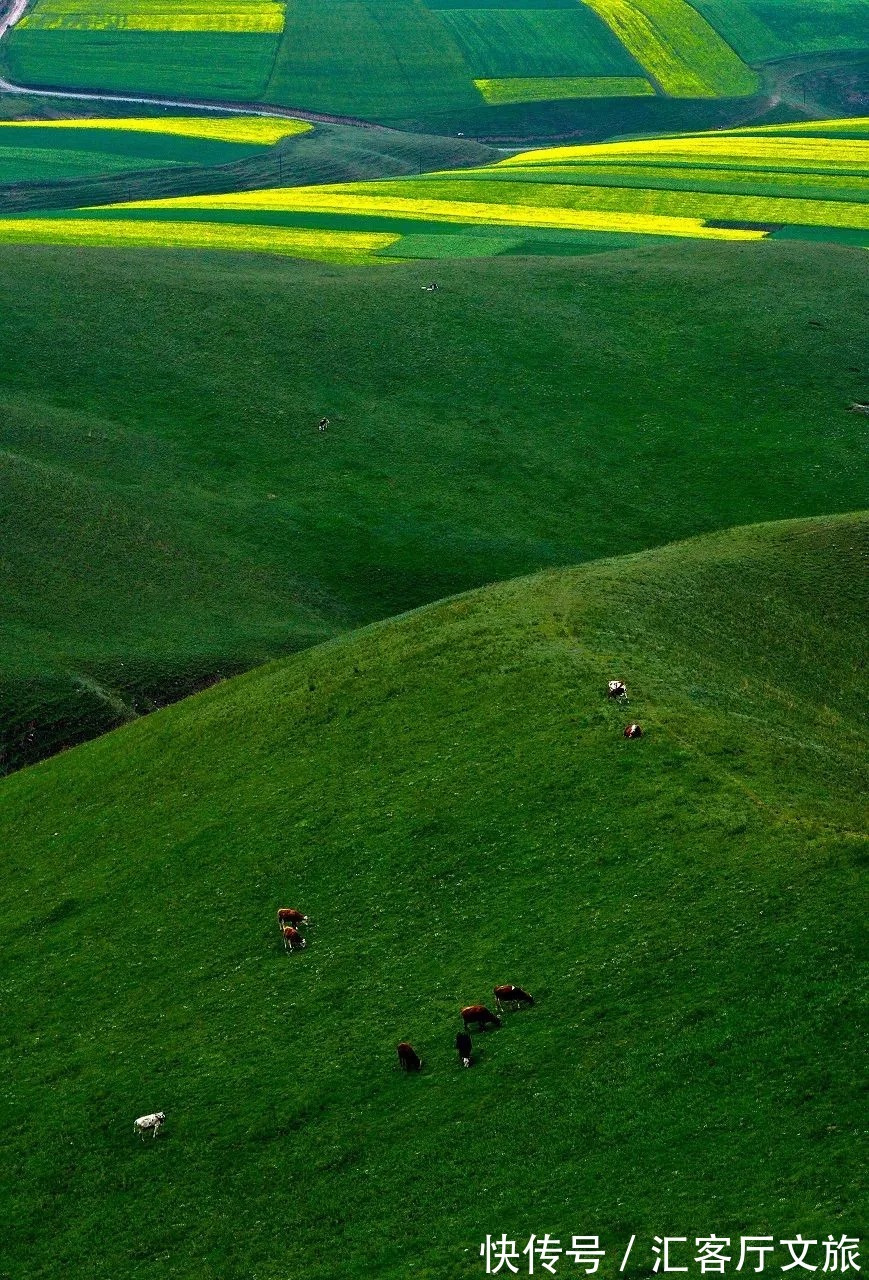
{"x": 544, "y": 66}
{"x": 172, "y": 514}
{"x": 796, "y": 181}
{"x": 449, "y": 795}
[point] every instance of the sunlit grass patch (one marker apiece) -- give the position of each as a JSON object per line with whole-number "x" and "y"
{"x": 256, "y": 16}
{"x": 326, "y": 246}
{"x": 678, "y": 47}
{"x": 554, "y": 88}
{"x": 261, "y": 130}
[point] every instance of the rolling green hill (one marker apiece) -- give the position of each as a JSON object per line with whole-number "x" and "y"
{"x": 533, "y": 67}
{"x": 171, "y": 513}
{"x": 450, "y": 796}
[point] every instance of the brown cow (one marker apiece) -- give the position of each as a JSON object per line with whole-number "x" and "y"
{"x": 508, "y": 994}
{"x": 481, "y": 1015}
{"x": 463, "y": 1048}
{"x": 407, "y": 1057}
{"x": 633, "y": 731}
{"x": 293, "y": 940}
{"x": 289, "y": 915}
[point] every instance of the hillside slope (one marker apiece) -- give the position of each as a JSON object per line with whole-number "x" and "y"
{"x": 450, "y": 796}
{"x": 171, "y": 512}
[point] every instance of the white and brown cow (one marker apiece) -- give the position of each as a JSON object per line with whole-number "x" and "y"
{"x": 149, "y": 1124}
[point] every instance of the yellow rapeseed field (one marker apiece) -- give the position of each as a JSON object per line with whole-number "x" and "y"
{"x": 262, "y": 130}
{"x": 789, "y": 152}
{"x": 555, "y": 88}
{"x": 328, "y": 246}
{"x": 348, "y": 199}
{"x": 258, "y": 16}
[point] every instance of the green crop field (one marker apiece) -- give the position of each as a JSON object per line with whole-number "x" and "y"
{"x": 764, "y": 29}
{"x": 431, "y": 66}
{"x": 167, "y": 454}
{"x": 451, "y": 799}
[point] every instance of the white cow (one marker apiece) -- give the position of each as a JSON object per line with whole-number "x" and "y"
{"x": 149, "y": 1124}
{"x": 617, "y": 689}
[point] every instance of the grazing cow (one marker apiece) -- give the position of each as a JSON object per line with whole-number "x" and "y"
{"x": 481, "y": 1015}
{"x": 149, "y": 1124}
{"x": 617, "y": 689}
{"x": 508, "y": 994}
{"x": 463, "y": 1048}
{"x": 407, "y": 1057}
{"x": 293, "y": 940}
{"x": 289, "y": 915}
{"x": 633, "y": 731}
{"x": 323, "y": 424}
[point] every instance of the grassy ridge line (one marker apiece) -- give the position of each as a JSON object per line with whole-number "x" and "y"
{"x": 670, "y": 902}
{"x": 195, "y": 522}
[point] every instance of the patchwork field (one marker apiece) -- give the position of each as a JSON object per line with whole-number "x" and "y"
{"x": 442, "y": 66}
{"x": 450, "y": 797}
{"x": 743, "y": 185}
{"x": 167, "y": 455}
{"x": 46, "y": 151}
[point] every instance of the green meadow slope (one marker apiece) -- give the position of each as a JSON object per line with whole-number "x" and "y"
{"x": 450, "y": 797}
{"x": 171, "y": 513}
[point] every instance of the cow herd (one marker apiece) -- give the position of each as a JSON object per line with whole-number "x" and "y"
{"x": 291, "y": 922}
{"x": 478, "y": 1016}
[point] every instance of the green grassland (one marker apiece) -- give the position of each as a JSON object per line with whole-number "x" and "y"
{"x": 450, "y": 797}
{"x": 159, "y": 442}
{"x": 414, "y": 65}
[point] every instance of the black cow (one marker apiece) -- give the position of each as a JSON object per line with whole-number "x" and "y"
{"x": 463, "y": 1048}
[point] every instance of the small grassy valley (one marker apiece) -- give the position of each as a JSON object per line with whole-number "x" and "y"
{"x": 378, "y": 381}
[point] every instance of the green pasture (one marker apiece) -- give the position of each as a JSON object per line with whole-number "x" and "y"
{"x": 449, "y": 796}
{"x": 177, "y": 516}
